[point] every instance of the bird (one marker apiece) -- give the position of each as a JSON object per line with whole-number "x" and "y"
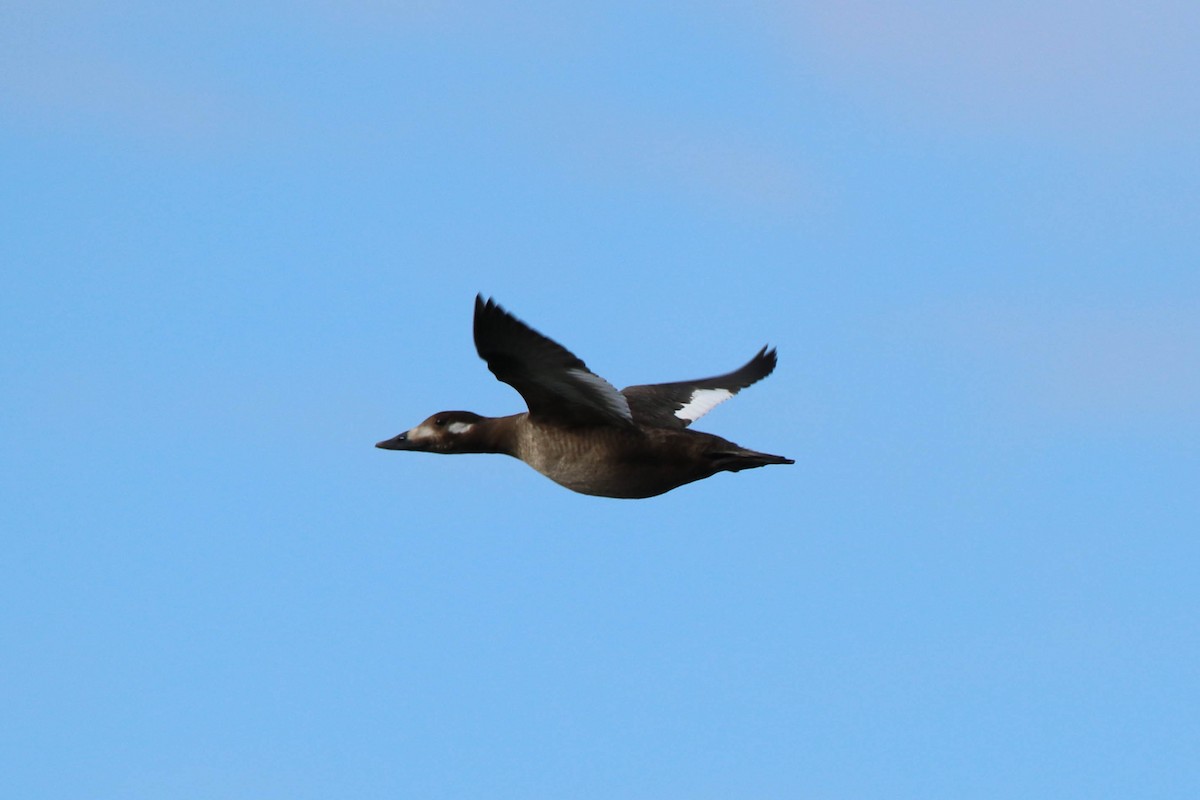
{"x": 581, "y": 432}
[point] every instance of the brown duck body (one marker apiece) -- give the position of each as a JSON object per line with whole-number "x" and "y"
{"x": 581, "y": 432}
{"x": 629, "y": 462}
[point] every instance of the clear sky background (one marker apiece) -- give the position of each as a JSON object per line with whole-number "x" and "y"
{"x": 240, "y": 242}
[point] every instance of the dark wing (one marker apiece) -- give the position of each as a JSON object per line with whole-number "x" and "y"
{"x": 556, "y": 385}
{"x": 677, "y": 405}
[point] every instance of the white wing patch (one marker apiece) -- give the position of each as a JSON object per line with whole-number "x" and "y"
{"x": 603, "y": 391}
{"x": 701, "y": 402}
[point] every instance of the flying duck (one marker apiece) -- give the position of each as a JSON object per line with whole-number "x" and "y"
{"x": 580, "y": 431}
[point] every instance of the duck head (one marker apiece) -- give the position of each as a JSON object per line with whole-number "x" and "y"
{"x": 444, "y": 432}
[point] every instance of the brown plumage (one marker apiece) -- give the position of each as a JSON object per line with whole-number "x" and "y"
{"x": 579, "y": 430}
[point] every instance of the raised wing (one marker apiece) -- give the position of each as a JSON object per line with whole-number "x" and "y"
{"x": 677, "y": 405}
{"x": 556, "y": 384}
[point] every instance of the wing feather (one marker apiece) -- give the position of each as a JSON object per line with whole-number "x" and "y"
{"x": 679, "y": 404}
{"x": 554, "y": 382}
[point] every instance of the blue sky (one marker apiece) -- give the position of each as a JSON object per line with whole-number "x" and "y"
{"x": 241, "y": 242}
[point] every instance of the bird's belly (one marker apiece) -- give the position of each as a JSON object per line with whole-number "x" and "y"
{"x": 610, "y": 468}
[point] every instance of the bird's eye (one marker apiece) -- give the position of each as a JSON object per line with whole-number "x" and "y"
{"x": 439, "y": 422}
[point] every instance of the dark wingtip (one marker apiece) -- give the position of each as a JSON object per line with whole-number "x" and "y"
{"x": 486, "y": 310}
{"x": 759, "y": 367}
{"x": 488, "y": 315}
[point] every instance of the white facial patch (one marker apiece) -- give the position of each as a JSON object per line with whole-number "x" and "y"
{"x": 458, "y": 427}
{"x": 420, "y": 433}
{"x": 701, "y": 402}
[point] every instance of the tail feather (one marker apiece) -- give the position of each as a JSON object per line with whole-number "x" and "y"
{"x": 738, "y": 460}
